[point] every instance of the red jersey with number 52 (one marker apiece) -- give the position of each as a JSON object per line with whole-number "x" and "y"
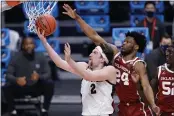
{"x": 126, "y": 88}
{"x": 165, "y": 95}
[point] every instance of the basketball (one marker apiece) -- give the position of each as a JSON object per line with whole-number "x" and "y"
{"x": 47, "y": 23}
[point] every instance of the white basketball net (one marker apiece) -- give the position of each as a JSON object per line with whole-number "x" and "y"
{"x": 37, "y": 8}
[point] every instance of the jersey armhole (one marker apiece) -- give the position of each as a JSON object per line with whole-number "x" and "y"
{"x": 140, "y": 61}
{"x": 159, "y": 71}
{"x": 110, "y": 82}
{"x": 117, "y": 55}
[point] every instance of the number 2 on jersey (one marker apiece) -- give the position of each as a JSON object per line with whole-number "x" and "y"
{"x": 93, "y": 91}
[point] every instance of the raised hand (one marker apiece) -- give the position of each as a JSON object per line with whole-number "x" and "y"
{"x": 69, "y": 11}
{"x": 41, "y": 35}
{"x": 67, "y": 51}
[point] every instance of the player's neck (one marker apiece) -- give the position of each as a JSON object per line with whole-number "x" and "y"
{"x": 97, "y": 67}
{"x": 129, "y": 57}
{"x": 171, "y": 67}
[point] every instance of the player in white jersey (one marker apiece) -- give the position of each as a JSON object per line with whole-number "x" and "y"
{"x": 98, "y": 77}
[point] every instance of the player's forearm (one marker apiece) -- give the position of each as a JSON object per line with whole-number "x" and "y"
{"x": 83, "y": 73}
{"x": 89, "y": 31}
{"x": 55, "y": 57}
{"x": 154, "y": 86}
{"x": 149, "y": 95}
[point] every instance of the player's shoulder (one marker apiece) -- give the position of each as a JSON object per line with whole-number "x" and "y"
{"x": 110, "y": 68}
{"x": 161, "y": 67}
{"x": 139, "y": 61}
{"x": 139, "y": 64}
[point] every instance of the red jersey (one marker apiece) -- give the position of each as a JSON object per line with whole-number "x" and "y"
{"x": 126, "y": 88}
{"x": 165, "y": 95}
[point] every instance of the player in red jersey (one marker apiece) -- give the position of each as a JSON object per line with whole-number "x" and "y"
{"x": 129, "y": 66}
{"x": 163, "y": 84}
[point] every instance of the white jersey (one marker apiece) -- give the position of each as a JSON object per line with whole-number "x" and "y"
{"x": 97, "y": 97}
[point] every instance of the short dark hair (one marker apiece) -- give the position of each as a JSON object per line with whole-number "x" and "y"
{"x": 139, "y": 39}
{"x": 165, "y": 35}
{"x": 108, "y": 51}
{"x": 149, "y": 2}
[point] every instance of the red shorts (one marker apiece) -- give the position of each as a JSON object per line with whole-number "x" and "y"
{"x": 133, "y": 109}
{"x": 166, "y": 109}
{"x": 167, "y": 114}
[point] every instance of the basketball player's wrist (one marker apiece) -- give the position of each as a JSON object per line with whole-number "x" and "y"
{"x": 153, "y": 105}
{"x": 77, "y": 17}
{"x": 45, "y": 42}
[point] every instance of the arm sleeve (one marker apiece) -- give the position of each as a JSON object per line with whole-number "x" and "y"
{"x": 11, "y": 71}
{"x": 45, "y": 69}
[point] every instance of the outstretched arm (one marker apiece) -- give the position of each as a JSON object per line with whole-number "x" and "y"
{"x": 141, "y": 70}
{"x": 154, "y": 83}
{"x": 55, "y": 57}
{"x": 106, "y": 73}
{"x": 89, "y": 31}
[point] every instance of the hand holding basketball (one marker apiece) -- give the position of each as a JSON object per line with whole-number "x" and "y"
{"x": 41, "y": 35}
{"x": 69, "y": 11}
{"x": 67, "y": 51}
{"x": 47, "y": 23}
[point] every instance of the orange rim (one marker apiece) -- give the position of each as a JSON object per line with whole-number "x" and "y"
{"x": 12, "y": 3}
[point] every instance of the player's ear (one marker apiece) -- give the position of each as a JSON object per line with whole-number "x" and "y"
{"x": 136, "y": 47}
{"x": 102, "y": 60}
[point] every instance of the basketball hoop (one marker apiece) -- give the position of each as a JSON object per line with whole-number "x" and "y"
{"x": 36, "y": 9}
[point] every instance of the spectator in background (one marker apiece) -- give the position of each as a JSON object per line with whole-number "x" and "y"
{"x": 14, "y": 39}
{"x": 156, "y": 27}
{"x": 157, "y": 56}
{"x": 28, "y": 73}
